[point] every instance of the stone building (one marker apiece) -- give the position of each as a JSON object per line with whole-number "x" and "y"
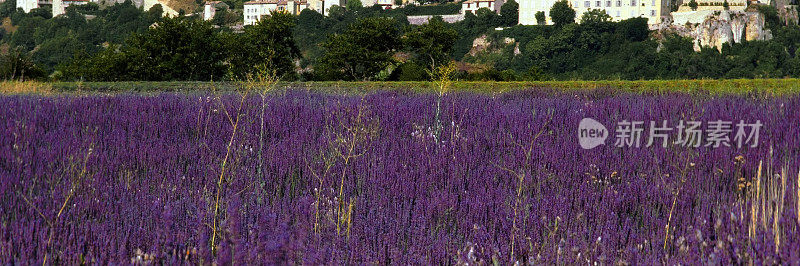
{"x": 653, "y": 10}
{"x": 254, "y": 10}
{"x": 472, "y": 6}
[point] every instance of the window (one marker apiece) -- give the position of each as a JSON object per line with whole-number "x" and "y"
{"x": 633, "y": 2}
{"x": 619, "y": 3}
{"x": 608, "y": 3}
{"x": 597, "y": 4}
{"x": 586, "y": 4}
{"x": 652, "y": 13}
{"x": 654, "y": 2}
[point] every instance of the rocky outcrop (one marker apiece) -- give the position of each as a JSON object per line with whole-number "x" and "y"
{"x": 482, "y": 44}
{"x": 479, "y": 45}
{"x": 718, "y": 27}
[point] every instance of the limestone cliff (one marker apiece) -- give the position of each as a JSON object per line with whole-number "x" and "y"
{"x": 716, "y": 28}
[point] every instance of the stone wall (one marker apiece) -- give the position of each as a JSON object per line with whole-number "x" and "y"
{"x": 419, "y": 20}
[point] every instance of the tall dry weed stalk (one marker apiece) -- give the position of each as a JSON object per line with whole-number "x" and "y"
{"x": 264, "y": 83}
{"x": 675, "y": 195}
{"x": 442, "y": 79}
{"x": 328, "y": 161}
{"x": 521, "y": 175}
{"x": 350, "y": 138}
{"x": 767, "y": 203}
{"x": 74, "y": 185}
{"x": 234, "y": 122}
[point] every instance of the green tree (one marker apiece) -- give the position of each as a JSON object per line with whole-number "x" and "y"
{"x": 269, "y": 42}
{"x": 16, "y": 64}
{"x": 772, "y": 20}
{"x": 353, "y": 5}
{"x": 595, "y": 16}
{"x": 431, "y": 42}
{"x": 361, "y": 51}
{"x": 509, "y": 12}
{"x": 693, "y": 4}
{"x": 110, "y": 64}
{"x": 44, "y": 12}
{"x": 540, "y": 18}
{"x": 224, "y": 17}
{"x": 562, "y": 14}
{"x": 176, "y": 49}
{"x": 725, "y": 5}
{"x": 488, "y": 18}
{"x": 409, "y": 71}
{"x": 7, "y": 8}
{"x": 633, "y": 29}
{"x": 155, "y": 12}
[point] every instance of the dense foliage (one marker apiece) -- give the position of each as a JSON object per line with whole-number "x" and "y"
{"x": 598, "y": 49}
{"x": 107, "y": 43}
{"x": 323, "y": 179}
{"x": 362, "y": 51}
{"x": 51, "y": 42}
{"x": 187, "y": 49}
{"x": 562, "y": 14}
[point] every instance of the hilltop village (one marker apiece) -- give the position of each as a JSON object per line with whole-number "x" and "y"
{"x": 709, "y": 22}
{"x": 403, "y": 40}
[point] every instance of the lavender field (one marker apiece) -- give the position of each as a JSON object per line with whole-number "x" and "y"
{"x": 383, "y": 178}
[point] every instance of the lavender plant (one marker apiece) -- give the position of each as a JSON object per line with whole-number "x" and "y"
{"x": 300, "y": 164}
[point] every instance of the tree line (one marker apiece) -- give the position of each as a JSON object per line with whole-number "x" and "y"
{"x": 122, "y": 42}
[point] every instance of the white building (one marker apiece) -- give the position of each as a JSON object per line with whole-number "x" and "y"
{"x": 385, "y": 4}
{"x": 295, "y": 7}
{"x": 209, "y": 10}
{"x": 652, "y": 10}
{"x": 323, "y": 6}
{"x": 28, "y": 5}
{"x": 211, "y": 7}
{"x": 472, "y": 6}
{"x": 60, "y": 6}
{"x": 254, "y": 10}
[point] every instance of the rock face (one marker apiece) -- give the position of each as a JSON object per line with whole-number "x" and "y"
{"x": 480, "y": 44}
{"x": 483, "y": 44}
{"x": 720, "y": 27}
